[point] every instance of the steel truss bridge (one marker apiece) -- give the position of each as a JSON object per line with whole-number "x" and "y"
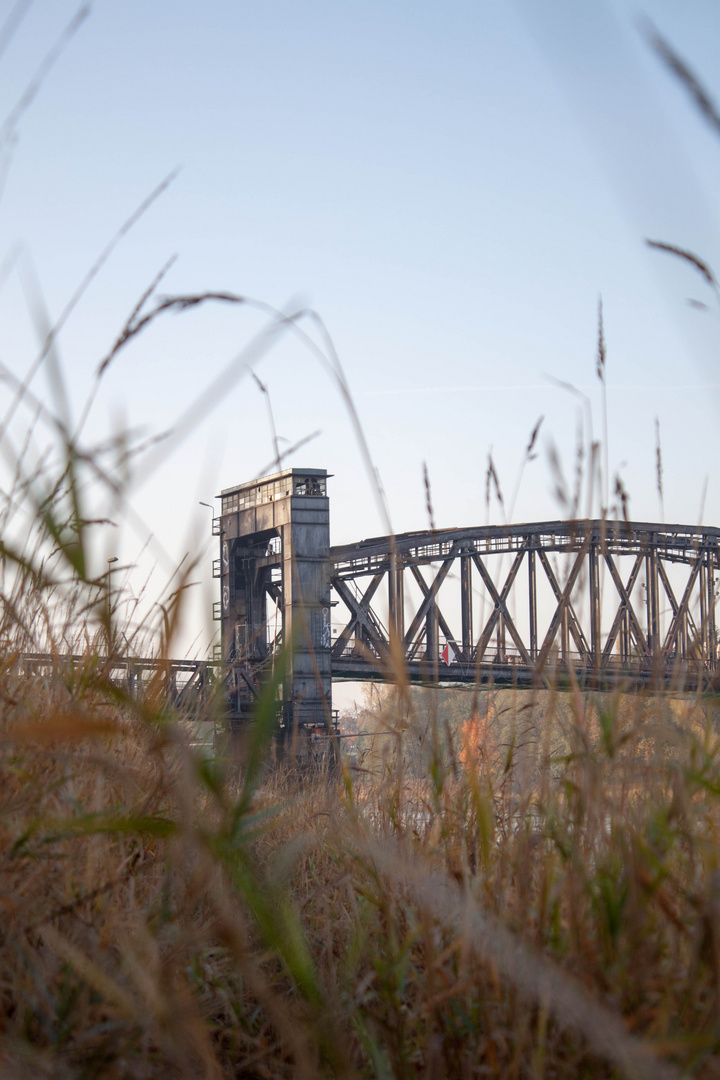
{"x": 607, "y": 601}
{"x": 188, "y": 686}
{"x": 604, "y": 603}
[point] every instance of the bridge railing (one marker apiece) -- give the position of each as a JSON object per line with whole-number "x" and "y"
{"x": 185, "y": 684}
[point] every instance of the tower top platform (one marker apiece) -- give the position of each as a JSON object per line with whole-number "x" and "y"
{"x": 278, "y": 485}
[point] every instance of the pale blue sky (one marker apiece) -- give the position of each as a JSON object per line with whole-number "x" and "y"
{"x": 451, "y": 186}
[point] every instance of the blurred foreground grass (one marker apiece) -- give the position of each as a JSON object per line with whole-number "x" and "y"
{"x": 529, "y": 890}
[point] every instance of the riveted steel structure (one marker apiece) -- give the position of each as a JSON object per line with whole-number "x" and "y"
{"x": 275, "y": 589}
{"x": 601, "y": 601}
{"x": 187, "y": 685}
{"x": 513, "y": 603}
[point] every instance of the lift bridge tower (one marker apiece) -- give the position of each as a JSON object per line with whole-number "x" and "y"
{"x": 275, "y": 591}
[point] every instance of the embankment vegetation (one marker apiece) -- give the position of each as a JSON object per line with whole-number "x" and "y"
{"x": 509, "y": 884}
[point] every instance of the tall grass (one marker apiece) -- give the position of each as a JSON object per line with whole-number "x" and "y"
{"x": 520, "y": 885}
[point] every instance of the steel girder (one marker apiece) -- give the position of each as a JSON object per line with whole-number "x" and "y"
{"x": 607, "y": 599}
{"x": 187, "y": 685}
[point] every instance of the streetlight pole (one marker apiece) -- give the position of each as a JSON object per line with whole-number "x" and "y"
{"x": 210, "y": 507}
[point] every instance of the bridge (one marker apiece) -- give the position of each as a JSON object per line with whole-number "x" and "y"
{"x": 188, "y": 686}
{"x": 597, "y": 601}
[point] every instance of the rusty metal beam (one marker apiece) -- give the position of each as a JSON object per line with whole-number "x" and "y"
{"x": 682, "y": 608}
{"x": 442, "y": 622}
{"x": 626, "y": 608}
{"x": 429, "y": 598}
{"x": 361, "y": 615}
{"x": 563, "y": 599}
{"x": 500, "y": 610}
{"x": 563, "y": 607}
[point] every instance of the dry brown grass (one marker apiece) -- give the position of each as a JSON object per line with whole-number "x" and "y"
{"x": 519, "y": 915}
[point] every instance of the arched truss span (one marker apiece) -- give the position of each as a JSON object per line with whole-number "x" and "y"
{"x": 608, "y": 600}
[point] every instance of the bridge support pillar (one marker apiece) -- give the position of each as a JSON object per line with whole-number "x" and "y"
{"x": 500, "y": 640}
{"x": 532, "y": 597}
{"x": 275, "y": 594}
{"x": 564, "y": 640}
{"x": 594, "y": 583}
{"x": 432, "y": 637}
{"x": 625, "y": 637}
{"x": 708, "y": 630}
{"x": 712, "y": 644}
{"x": 652, "y": 599}
{"x": 396, "y": 596}
{"x": 466, "y": 612}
